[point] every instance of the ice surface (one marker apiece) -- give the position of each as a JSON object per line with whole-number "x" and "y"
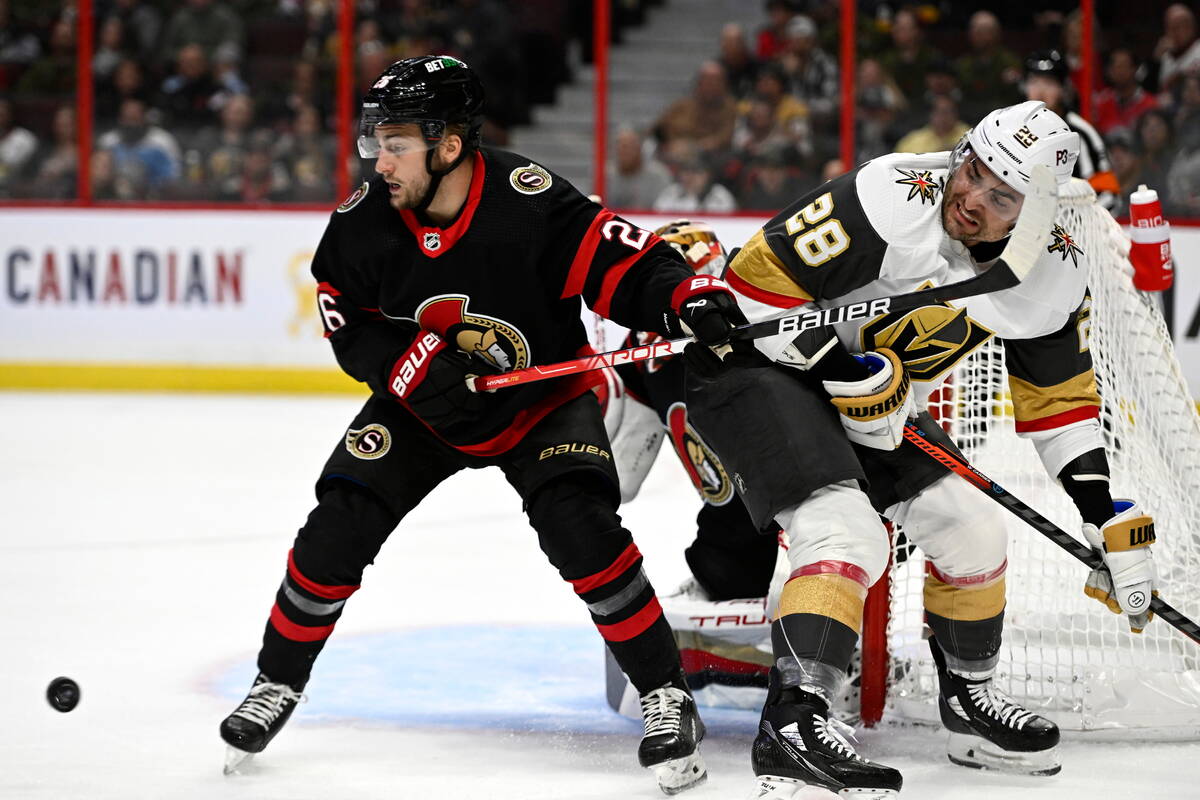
{"x": 144, "y": 537}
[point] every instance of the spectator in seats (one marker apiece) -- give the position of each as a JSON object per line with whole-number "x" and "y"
{"x": 941, "y": 80}
{"x": 261, "y": 179}
{"x": 832, "y": 169}
{"x": 694, "y": 190}
{"x": 312, "y": 181}
{"x": 373, "y": 59}
{"x": 1120, "y": 103}
{"x": 1187, "y": 113}
{"x": 126, "y": 81}
{"x": 145, "y": 157}
{"x": 206, "y": 23}
{"x": 1123, "y": 156}
{"x": 811, "y": 72}
{"x": 18, "y": 45}
{"x": 1178, "y": 51}
{"x": 787, "y": 116}
{"x": 771, "y": 182}
{"x": 188, "y": 92}
{"x": 741, "y": 67}
{"x": 941, "y": 133}
{"x": 104, "y": 177}
{"x": 636, "y": 179}
{"x": 989, "y": 73}
{"x": 1184, "y": 179}
{"x": 877, "y": 104}
{"x": 141, "y": 23}
{"x": 223, "y": 147}
{"x": 109, "y": 48}
{"x": 1154, "y": 140}
{"x": 908, "y": 59}
{"x": 227, "y": 77}
{"x": 1072, "y": 52}
{"x": 306, "y": 140}
{"x": 772, "y": 37}
{"x": 58, "y": 160}
{"x": 17, "y": 147}
{"x": 303, "y": 91}
{"x": 705, "y": 117}
{"x": 53, "y": 73}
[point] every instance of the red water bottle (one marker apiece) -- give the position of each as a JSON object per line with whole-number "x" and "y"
{"x": 1150, "y": 252}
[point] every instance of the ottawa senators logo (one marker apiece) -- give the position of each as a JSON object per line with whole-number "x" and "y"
{"x": 929, "y": 340}
{"x": 496, "y": 341}
{"x": 698, "y": 458}
{"x": 920, "y": 185}
{"x": 1063, "y": 242}
{"x": 369, "y": 443}
{"x": 530, "y": 179}
{"x": 354, "y": 199}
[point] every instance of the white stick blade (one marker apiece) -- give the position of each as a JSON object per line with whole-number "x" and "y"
{"x": 1033, "y": 225}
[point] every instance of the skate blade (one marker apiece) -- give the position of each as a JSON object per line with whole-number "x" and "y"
{"x": 236, "y": 759}
{"x": 680, "y": 774}
{"x": 978, "y": 753}
{"x": 774, "y": 787}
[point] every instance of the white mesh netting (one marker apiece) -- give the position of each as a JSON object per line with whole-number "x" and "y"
{"x": 1064, "y": 655}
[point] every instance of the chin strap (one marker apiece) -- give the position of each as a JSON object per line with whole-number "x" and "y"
{"x": 435, "y": 176}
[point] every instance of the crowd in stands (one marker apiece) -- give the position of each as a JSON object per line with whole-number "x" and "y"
{"x": 234, "y": 100}
{"x": 761, "y": 124}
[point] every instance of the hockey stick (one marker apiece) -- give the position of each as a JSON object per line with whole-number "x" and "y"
{"x": 1020, "y": 254}
{"x": 958, "y": 464}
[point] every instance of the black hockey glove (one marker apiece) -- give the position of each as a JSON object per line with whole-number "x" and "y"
{"x": 704, "y": 308}
{"x": 430, "y": 379}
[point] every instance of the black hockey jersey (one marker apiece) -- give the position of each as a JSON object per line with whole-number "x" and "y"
{"x": 502, "y": 281}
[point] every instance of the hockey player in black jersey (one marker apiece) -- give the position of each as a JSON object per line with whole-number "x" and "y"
{"x": 457, "y": 260}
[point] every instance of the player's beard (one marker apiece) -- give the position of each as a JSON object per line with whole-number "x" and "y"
{"x": 411, "y": 193}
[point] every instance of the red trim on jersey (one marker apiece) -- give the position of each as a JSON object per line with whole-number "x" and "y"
{"x": 699, "y": 660}
{"x": 741, "y": 286}
{"x": 319, "y": 589}
{"x": 449, "y": 236}
{"x": 1058, "y": 420}
{"x": 627, "y": 559}
{"x": 325, "y": 286}
{"x": 843, "y": 568}
{"x": 412, "y": 367}
{"x": 584, "y": 253}
{"x": 612, "y": 279}
{"x": 635, "y": 625}
{"x": 297, "y": 633}
{"x": 969, "y": 581}
{"x": 677, "y": 426}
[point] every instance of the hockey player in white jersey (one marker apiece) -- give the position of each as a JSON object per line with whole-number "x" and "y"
{"x": 825, "y": 470}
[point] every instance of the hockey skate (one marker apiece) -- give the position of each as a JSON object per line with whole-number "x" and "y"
{"x": 671, "y": 744}
{"x": 799, "y": 744}
{"x": 988, "y": 730}
{"x": 254, "y": 723}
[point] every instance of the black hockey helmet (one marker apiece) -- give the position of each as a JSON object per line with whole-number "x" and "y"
{"x": 1047, "y": 62}
{"x": 429, "y": 91}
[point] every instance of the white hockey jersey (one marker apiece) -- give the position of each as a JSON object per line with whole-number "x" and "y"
{"x": 877, "y": 232}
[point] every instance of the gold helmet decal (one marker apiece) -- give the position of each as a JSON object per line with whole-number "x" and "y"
{"x": 496, "y": 341}
{"x": 929, "y": 340}
{"x": 697, "y": 243}
{"x": 698, "y": 458}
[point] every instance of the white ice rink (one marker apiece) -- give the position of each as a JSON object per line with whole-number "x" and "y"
{"x": 143, "y": 539}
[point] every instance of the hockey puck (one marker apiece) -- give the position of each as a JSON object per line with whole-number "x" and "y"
{"x": 63, "y": 694}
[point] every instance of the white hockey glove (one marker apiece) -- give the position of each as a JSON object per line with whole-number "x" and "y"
{"x": 874, "y": 409}
{"x": 1126, "y": 581}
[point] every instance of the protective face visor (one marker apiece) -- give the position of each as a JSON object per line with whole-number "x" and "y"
{"x": 377, "y": 133}
{"x": 978, "y": 182}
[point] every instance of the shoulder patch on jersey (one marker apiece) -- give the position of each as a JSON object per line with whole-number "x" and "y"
{"x": 355, "y": 198}
{"x": 921, "y": 185}
{"x": 1062, "y": 242}
{"x": 530, "y": 179}
{"x": 369, "y": 443}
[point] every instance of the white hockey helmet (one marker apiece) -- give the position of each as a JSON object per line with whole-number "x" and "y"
{"x": 1010, "y": 140}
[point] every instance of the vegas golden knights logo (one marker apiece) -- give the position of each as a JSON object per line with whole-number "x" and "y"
{"x": 494, "y": 340}
{"x": 929, "y": 340}
{"x": 698, "y": 458}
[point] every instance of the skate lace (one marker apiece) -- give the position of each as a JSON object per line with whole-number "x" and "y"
{"x": 266, "y": 702}
{"x": 662, "y": 710}
{"x": 999, "y": 706}
{"x": 833, "y": 733}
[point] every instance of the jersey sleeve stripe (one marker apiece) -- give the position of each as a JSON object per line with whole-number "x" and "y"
{"x": 613, "y": 276}
{"x": 581, "y": 264}
{"x": 761, "y": 295}
{"x": 759, "y": 274}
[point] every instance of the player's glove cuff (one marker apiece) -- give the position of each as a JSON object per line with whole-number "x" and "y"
{"x": 873, "y": 410}
{"x": 1126, "y": 582}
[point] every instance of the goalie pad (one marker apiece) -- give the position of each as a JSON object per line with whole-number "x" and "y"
{"x": 635, "y": 444}
{"x": 1126, "y": 583}
{"x": 873, "y": 410}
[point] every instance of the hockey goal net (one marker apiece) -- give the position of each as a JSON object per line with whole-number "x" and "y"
{"x": 1064, "y": 655}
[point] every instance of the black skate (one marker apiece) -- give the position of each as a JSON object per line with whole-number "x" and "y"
{"x": 254, "y": 723}
{"x": 671, "y": 744}
{"x": 988, "y": 730}
{"x": 799, "y": 744}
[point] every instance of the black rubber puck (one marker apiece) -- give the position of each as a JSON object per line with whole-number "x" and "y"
{"x": 63, "y": 694}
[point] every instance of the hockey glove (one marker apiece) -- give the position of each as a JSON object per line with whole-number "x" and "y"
{"x": 874, "y": 409}
{"x": 1126, "y": 581}
{"x": 704, "y": 308}
{"x": 430, "y": 379}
